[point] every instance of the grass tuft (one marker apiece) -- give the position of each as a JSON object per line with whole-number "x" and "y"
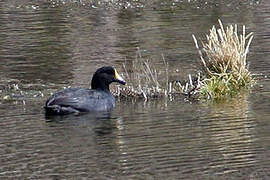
{"x": 224, "y": 62}
{"x": 144, "y": 80}
{"x": 224, "y": 70}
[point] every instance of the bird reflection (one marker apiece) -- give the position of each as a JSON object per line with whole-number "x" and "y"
{"x": 99, "y": 122}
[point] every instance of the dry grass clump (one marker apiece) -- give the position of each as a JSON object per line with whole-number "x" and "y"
{"x": 224, "y": 62}
{"x": 224, "y": 70}
{"x": 146, "y": 81}
{"x": 143, "y": 80}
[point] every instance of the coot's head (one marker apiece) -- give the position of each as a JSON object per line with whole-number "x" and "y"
{"x": 104, "y": 76}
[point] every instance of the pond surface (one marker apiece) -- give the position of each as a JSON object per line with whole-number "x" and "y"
{"x": 48, "y": 45}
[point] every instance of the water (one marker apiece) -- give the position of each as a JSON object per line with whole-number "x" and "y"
{"x": 48, "y": 45}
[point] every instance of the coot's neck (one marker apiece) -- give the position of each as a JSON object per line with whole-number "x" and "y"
{"x": 99, "y": 84}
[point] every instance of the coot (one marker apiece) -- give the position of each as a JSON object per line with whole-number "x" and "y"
{"x": 76, "y": 100}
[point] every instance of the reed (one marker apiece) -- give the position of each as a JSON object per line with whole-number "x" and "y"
{"x": 224, "y": 61}
{"x": 144, "y": 80}
{"x": 224, "y": 70}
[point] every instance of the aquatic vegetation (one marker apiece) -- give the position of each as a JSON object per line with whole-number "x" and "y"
{"x": 146, "y": 81}
{"x": 17, "y": 90}
{"x": 224, "y": 62}
{"x": 224, "y": 70}
{"x": 143, "y": 80}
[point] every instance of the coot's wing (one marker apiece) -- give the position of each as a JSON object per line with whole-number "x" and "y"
{"x": 63, "y": 97}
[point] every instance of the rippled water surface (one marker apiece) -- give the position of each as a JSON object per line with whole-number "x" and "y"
{"x": 48, "y": 45}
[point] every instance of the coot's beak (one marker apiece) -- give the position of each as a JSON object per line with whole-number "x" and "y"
{"x": 118, "y": 78}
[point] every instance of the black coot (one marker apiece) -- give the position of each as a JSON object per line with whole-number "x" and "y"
{"x": 75, "y": 100}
